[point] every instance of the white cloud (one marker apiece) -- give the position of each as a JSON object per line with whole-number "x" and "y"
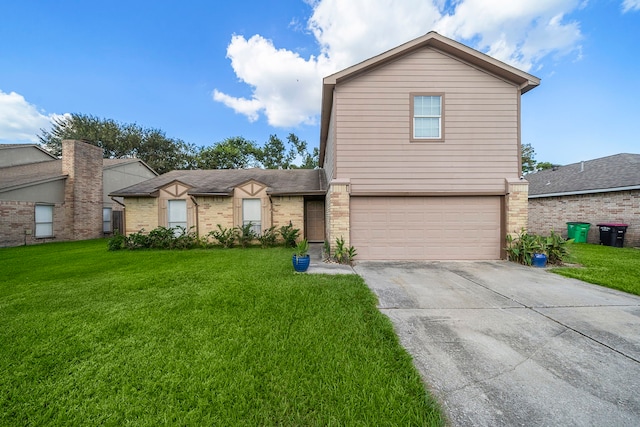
{"x": 286, "y": 87}
{"x": 21, "y": 121}
{"x": 630, "y": 5}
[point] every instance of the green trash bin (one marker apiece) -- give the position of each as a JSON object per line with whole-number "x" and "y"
{"x": 582, "y": 231}
{"x": 572, "y": 229}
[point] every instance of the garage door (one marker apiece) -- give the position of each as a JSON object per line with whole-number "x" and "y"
{"x": 426, "y": 228}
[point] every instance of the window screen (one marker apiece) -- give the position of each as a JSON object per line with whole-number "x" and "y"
{"x": 44, "y": 221}
{"x": 251, "y": 213}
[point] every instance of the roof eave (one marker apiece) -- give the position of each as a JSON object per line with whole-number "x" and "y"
{"x": 298, "y": 193}
{"x": 579, "y": 192}
{"x": 32, "y": 183}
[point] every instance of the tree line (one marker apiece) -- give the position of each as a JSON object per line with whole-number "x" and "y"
{"x": 163, "y": 154}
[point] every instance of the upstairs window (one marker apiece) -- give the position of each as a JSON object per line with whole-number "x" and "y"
{"x": 427, "y": 113}
{"x": 251, "y": 213}
{"x": 44, "y": 221}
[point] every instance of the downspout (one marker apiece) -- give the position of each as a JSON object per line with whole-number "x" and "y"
{"x": 193, "y": 199}
{"x": 270, "y": 209}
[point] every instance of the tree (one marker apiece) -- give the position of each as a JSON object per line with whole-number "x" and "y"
{"x": 120, "y": 141}
{"x": 307, "y": 160}
{"x": 528, "y": 161}
{"x": 274, "y": 154}
{"x": 540, "y": 166}
{"x": 232, "y": 153}
{"x": 240, "y": 153}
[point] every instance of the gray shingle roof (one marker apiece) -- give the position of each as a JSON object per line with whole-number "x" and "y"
{"x": 33, "y": 173}
{"x": 612, "y": 172}
{"x": 223, "y": 181}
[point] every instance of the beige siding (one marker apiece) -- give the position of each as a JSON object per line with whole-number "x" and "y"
{"x": 373, "y": 126}
{"x": 426, "y": 228}
{"x": 330, "y": 150}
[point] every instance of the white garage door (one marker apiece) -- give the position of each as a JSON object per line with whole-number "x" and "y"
{"x": 426, "y": 228}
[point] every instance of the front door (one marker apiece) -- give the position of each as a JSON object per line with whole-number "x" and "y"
{"x": 314, "y": 220}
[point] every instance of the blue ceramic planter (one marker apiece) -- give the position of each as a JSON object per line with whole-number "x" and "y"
{"x": 301, "y": 264}
{"x": 539, "y": 260}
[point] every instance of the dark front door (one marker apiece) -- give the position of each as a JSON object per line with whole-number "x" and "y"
{"x": 314, "y": 220}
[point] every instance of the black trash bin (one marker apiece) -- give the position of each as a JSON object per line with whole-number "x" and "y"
{"x": 612, "y": 234}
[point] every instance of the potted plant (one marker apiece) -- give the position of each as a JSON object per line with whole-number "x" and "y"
{"x": 539, "y": 258}
{"x": 301, "y": 258}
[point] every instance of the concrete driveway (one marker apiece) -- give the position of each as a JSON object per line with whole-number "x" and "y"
{"x": 501, "y": 344}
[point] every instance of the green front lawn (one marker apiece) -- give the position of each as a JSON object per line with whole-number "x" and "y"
{"x": 617, "y": 268}
{"x": 200, "y": 337}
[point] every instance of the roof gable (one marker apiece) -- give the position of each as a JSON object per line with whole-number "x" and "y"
{"x": 617, "y": 172}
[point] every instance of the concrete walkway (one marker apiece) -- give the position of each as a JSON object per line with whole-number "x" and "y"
{"x": 318, "y": 266}
{"x": 505, "y": 345}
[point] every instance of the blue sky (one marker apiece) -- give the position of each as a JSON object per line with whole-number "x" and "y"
{"x": 203, "y": 71}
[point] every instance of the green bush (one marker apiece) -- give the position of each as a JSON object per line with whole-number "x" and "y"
{"x": 289, "y": 235}
{"x": 268, "y": 237}
{"x": 225, "y": 236}
{"x": 344, "y": 254}
{"x": 523, "y": 246}
{"x": 116, "y": 242}
{"x": 246, "y": 235}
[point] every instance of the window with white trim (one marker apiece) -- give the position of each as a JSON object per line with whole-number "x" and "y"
{"x": 106, "y": 220}
{"x": 177, "y": 214}
{"x": 44, "y": 220}
{"x": 427, "y": 117}
{"x": 252, "y": 213}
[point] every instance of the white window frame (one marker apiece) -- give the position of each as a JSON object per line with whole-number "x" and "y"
{"x": 43, "y": 219}
{"x": 176, "y": 216}
{"x": 107, "y": 220}
{"x": 252, "y": 213}
{"x": 415, "y": 116}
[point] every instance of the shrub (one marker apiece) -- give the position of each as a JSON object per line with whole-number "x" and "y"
{"x": 246, "y": 234}
{"x": 225, "y": 236}
{"x": 521, "y": 248}
{"x": 344, "y": 254}
{"x": 116, "y": 242}
{"x": 137, "y": 240}
{"x": 556, "y": 248}
{"x": 161, "y": 237}
{"x": 289, "y": 235}
{"x": 268, "y": 237}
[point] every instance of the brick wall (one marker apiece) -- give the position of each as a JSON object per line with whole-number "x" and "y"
{"x": 337, "y": 207}
{"x": 552, "y": 213}
{"x": 285, "y": 209}
{"x": 82, "y": 163}
{"x": 17, "y": 223}
{"x": 516, "y": 205}
{"x": 140, "y": 213}
{"x": 213, "y": 211}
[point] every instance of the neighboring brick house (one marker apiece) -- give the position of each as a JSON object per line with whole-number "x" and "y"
{"x": 43, "y": 198}
{"x": 421, "y": 148}
{"x": 604, "y": 190}
{"x": 199, "y": 200}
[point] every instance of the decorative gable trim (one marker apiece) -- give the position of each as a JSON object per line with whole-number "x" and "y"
{"x": 251, "y": 187}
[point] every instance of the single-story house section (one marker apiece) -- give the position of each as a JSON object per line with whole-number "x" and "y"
{"x": 421, "y": 149}
{"x": 604, "y": 190}
{"x": 43, "y": 198}
{"x": 201, "y": 199}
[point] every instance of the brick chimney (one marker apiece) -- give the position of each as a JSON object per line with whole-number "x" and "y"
{"x": 82, "y": 163}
